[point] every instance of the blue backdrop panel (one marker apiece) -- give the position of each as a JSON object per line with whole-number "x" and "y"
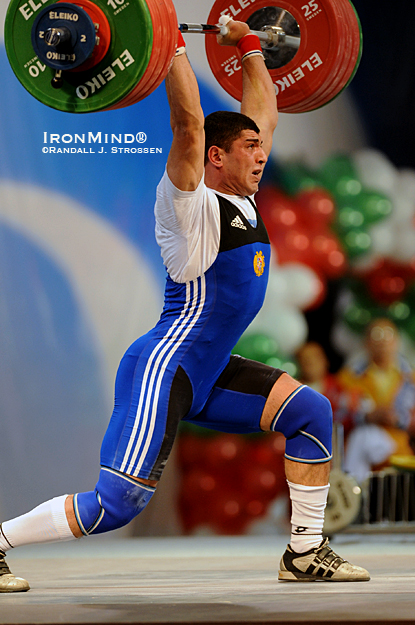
{"x": 53, "y": 387}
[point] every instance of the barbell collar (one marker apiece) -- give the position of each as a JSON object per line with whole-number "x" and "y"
{"x": 269, "y": 36}
{"x": 56, "y": 36}
{"x": 276, "y": 37}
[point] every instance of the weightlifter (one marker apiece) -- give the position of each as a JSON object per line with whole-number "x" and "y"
{"x": 217, "y": 254}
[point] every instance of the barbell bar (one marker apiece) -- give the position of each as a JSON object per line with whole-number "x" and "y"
{"x": 270, "y": 37}
{"x": 311, "y": 48}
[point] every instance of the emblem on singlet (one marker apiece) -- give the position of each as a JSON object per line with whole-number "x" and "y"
{"x": 259, "y": 263}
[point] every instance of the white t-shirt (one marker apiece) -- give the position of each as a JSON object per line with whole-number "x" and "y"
{"x": 188, "y": 227}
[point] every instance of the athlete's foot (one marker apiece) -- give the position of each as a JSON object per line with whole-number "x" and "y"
{"x": 8, "y": 582}
{"x": 319, "y": 564}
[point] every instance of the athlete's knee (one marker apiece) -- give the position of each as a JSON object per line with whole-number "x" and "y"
{"x": 116, "y": 500}
{"x": 306, "y": 420}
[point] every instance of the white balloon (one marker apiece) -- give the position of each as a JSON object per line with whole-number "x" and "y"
{"x": 383, "y": 237}
{"x": 403, "y": 207}
{"x": 375, "y": 170}
{"x": 277, "y": 287}
{"x": 286, "y": 324}
{"x": 404, "y": 244}
{"x": 405, "y": 184}
{"x": 303, "y": 284}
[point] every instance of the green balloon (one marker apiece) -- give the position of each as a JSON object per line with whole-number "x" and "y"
{"x": 348, "y": 216}
{"x": 339, "y": 175}
{"x": 296, "y": 177}
{"x": 399, "y": 312}
{"x": 257, "y": 347}
{"x": 356, "y": 242}
{"x": 408, "y": 326}
{"x": 282, "y": 362}
{"x": 410, "y": 297}
{"x": 357, "y": 317}
{"x": 374, "y": 206}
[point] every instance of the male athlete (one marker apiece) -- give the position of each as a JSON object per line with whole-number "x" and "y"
{"x": 217, "y": 254}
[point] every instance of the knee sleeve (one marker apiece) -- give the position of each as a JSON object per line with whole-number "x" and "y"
{"x": 116, "y": 500}
{"x": 306, "y": 420}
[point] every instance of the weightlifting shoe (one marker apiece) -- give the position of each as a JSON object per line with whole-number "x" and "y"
{"x": 8, "y": 582}
{"x": 319, "y": 564}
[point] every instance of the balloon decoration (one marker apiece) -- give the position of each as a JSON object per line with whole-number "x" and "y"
{"x": 232, "y": 483}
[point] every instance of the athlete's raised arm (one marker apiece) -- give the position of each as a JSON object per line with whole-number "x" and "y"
{"x": 185, "y": 162}
{"x": 259, "y": 101}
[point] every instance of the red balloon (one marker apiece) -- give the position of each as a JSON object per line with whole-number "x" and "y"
{"x": 196, "y": 483}
{"x": 389, "y": 281}
{"x": 292, "y": 245}
{"x": 276, "y": 209}
{"x": 190, "y": 448}
{"x": 228, "y": 514}
{"x": 223, "y": 450}
{"x": 198, "y": 489}
{"x": 261, "y": 482}
{"x": 256, "y": 508}
{"x": 328, "y": 257}
{"x": 317, "y": 206}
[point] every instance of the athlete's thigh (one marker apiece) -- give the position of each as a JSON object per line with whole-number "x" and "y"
{"x": 239, "y": 396}
{"x": 149, "y": 403}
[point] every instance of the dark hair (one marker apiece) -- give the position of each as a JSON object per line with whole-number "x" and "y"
{"x": 223, "y": 127}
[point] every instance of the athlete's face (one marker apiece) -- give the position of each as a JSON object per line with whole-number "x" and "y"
{"x": 244, "y": 164}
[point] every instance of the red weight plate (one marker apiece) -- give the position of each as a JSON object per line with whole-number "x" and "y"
{"x": 322, "y": 93}
{"x": 335, "y": 77}
{"x": 154, "y": 60}
{"x": 103, "y": 32}
{"x": 149, "y": 80}
{"x": 354, "y": 58}
{"x": 353, "y": 52}
{"x": 358, "y": 43}
{"x": 351, "y": 43}
{"x": 320, "y": 27}
{"x": 164, "y": 21}
{"x": 168, "y": 44}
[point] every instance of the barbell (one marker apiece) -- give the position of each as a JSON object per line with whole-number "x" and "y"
{"x": 87, "y": 56}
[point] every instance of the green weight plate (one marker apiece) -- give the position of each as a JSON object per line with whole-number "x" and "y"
{"x": 98, "y": 87}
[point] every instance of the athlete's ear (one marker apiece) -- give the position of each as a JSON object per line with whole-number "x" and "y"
{"x": 215, "y": 156}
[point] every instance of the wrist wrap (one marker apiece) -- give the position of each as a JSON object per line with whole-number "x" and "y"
{"x": 181, "y": 45}
{"x": 249, "y": 45}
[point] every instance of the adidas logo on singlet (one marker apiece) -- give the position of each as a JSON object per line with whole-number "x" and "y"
{"x": 238, "y": 223}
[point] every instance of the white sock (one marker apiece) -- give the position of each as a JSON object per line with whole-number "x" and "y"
{"x": 45, "y": 524}
{"x": 307, "y": 518}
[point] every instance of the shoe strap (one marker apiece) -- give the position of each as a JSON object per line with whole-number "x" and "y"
{"x": 4, "y": 569}
{"x": 327, "y": 557}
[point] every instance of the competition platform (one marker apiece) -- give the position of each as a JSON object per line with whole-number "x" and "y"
{"x": 204, "y": 580}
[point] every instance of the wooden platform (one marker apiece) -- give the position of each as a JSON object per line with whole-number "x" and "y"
{"x": 205, "y": 580}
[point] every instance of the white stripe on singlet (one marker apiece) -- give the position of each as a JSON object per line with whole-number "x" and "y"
{"x": 154, "y": 373}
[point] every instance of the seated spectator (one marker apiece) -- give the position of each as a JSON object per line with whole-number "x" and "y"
{"x": 388, "y": 382}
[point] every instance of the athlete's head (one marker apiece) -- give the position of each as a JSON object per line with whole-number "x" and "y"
{"x": 223, "y": 127}
{"x": 234, "y": 157}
